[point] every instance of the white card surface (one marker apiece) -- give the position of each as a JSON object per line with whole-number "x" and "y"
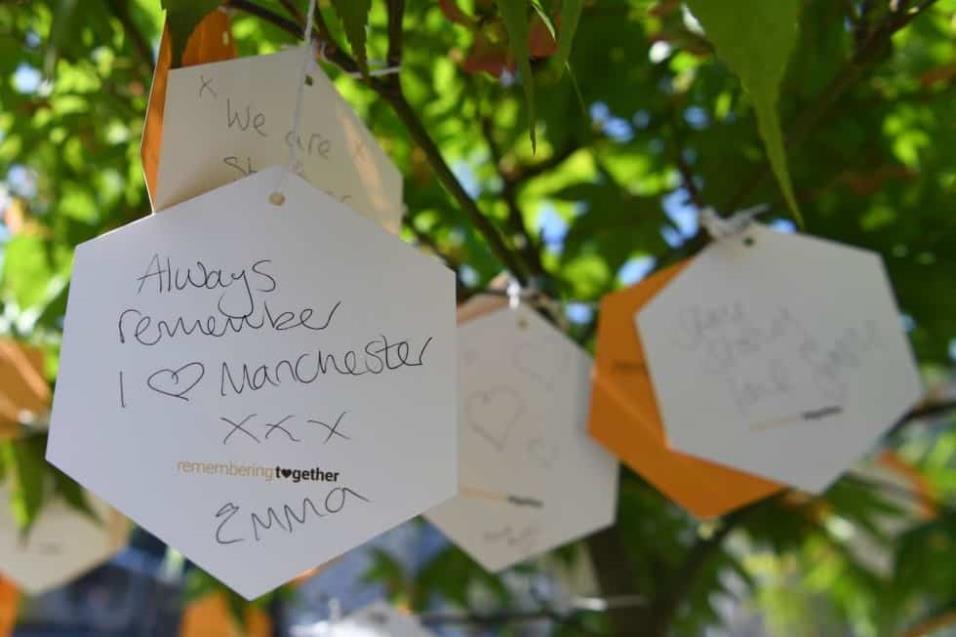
{"x": 62, "y": 545}
{"x": 228, "y": 119}
{"x": 531, "y": 478}
{"x": 779, "y": 354}
{"x": 259, "y": 385}
{"x": 379, "y": 620}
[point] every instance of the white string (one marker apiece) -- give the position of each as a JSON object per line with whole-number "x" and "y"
{"x": 532, "y": 294}
{"x": 389, "y": 70}
{"x": 308, "y": 57}
{"x": 514, "y": 294}
{"x": 723, "y": 227}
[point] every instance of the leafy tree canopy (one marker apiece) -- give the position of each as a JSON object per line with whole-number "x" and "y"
{"x": 570, "y": 142}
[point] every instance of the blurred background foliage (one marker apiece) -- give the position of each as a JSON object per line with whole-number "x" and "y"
{"x": 646, "y": 126}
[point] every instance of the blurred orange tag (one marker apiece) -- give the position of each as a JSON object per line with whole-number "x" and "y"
{"x": 211, "y": 41}
{"x": 625, "y": 417}
{"x": 209, "y": 616}
{"x": 9, "y": 601}
{"x": 24, "y": 393}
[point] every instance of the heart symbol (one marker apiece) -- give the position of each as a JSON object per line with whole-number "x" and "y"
{"x": 541, "y": 362}
{"x": 543, "y": 452}
{"x": 286, "y": 473}
{"x": 493, "y": 413}
{"x": 176, "y": 382}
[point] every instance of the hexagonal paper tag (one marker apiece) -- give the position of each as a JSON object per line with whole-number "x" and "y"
{"x": 378, "y": 620}
{"x": 780, "y": 355}
{"x": 62, "y": 544}
{"x": 233, "y": 118}
{"x": 624, "y": 416}
{"x": 24, "y": 392}
{"x": 530, "y": 477}
{"x": 257, "y": 385}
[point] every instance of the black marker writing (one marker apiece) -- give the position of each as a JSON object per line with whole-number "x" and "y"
{"x": 333, "y": 429}
{"x": 316, "y": 144}
{"x": 206, "y": 85}
{"x": 238, "y": 427}
{"x": 286, "y": 517}
{"x": 257, "y": 121}
{"x": 378, "y": 355}
{"x": 164, "y": 278}
{"x": 177, "y": 383}
{"x": 144, "y": 330}
{"x": 228, "y": 510}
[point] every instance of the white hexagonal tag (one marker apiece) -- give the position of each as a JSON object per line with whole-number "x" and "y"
{"x": 226, "y": 120}
{"x": 531, "y": 478}
{"x": 62, "y": 544}
{"x": 378, "y": 620}
{"x": 779, "y": 354}
{"x": 259, "y": 385}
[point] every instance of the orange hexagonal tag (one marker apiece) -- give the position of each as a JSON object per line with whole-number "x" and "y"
{"x": 625, "y": 417}
{"x": 211, "y": 41}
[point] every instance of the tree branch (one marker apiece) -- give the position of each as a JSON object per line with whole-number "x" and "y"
{"x": 502, "y": 618}
{"x": 396, "y": 98}
{"x": 613, "y": 570}
{"x": 390, "y": 90}
{"x": 522, "y": 173}
{"x": 932, "y": 624}
{"x": 509, "y": 192}
{"x": 289, "y": 26}
{"x": 923, "y": 410}
{"x": 293, "y": 10}
{"x": 396, "y": 13}
{"x": 120, "y": 11}
{"x": 682, "y": 582}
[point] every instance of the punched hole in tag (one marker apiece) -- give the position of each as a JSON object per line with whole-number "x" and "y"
{"x": 277, "y": 198}
{"x": 749, "y": 241}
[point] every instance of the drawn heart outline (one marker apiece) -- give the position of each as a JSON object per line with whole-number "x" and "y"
{"x": 157, "y": 381}
{"x": 492, "y": 413}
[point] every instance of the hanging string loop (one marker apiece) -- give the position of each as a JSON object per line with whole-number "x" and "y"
{"x": 724, "y": 227}
{"x": 294, "y": 164}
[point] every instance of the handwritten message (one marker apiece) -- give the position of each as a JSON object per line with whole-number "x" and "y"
{"x": 264, "y": 391}
{"x": 764, "y": 364}
{"x": 531, "y": 479}
{"x": 779, "y": 355}
{"x": 231, "y": 119}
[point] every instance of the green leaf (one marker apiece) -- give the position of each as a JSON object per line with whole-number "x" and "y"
{"x": 514, "y": 13}
{"x": 570, "y": 16}
{"x": 354, "y": 17}
{"x": 74, "y": 495}
{"x": 24, "y": 458}
{"x": 182, "y": 16}
{"x": 755, "y": 39}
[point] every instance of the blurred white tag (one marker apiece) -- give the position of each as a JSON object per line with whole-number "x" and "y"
{"x": 226, "y": 120}
{"x": 531, "y": 479}
{"x": 779, "y": 354}
{"x": 376, "y": 620}
{"x": 62, "y": 544}
{"x": 259, "y": 385}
